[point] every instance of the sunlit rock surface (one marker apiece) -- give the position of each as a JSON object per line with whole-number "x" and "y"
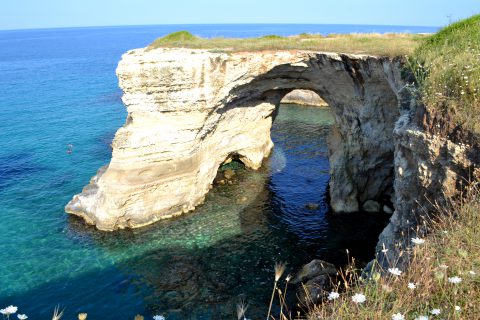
{"x": 304, "y": 97}
{"x": 190, "y": 110}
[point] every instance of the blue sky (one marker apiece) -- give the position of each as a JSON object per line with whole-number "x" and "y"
{"x": 20, "y": 14}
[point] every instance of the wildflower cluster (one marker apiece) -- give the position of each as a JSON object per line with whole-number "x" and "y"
{"x": 10, "y": 310}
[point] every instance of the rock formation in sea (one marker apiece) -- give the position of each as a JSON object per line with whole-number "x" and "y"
{"x": 190, "y": 110}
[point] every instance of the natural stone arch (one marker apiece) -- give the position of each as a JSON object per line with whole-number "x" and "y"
{"x": 190, "y": 110}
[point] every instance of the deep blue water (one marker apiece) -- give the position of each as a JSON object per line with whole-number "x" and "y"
{"x": 58, "y": 87}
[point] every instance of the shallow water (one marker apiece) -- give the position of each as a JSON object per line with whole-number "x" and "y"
{"x": 58, "y": 87}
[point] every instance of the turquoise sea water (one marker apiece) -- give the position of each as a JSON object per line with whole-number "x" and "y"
{"x": 58, "y": 87}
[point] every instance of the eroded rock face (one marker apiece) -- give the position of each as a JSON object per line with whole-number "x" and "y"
{"x": 189, "y": 111}
{"x": 434, "y": 160}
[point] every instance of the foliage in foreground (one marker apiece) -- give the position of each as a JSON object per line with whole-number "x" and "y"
{"x": 393, "y": 44}
{"x": 446, "y": 67}
{"x": 11, "y": 311}
{"x": 442, "y": 280}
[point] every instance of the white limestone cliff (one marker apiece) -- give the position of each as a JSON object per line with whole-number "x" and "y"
{"x": 190, "y": 110}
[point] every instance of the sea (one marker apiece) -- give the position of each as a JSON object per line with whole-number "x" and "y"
{"x": 60, "y": 106}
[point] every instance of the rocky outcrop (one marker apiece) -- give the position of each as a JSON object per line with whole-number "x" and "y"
{"x": 305, "y": 98}
{"x": 190, "y": 110}
{"x": 314, "y": 281}
{"x": 314, "y": 269}
{"x": 434, "y": 160}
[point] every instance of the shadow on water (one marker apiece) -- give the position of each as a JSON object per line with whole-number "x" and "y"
{"x": 200, "y": 265}
{"x": 187, "y": 281}
{"x": 201, "y": 279}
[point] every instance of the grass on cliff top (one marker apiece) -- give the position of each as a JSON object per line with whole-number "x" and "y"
{"x": 446, "y": 66}
{"x": 391, "y": 44}
{"x": 441, "y": 282}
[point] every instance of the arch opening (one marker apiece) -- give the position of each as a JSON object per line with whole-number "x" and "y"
{"x": 299, "y": 162}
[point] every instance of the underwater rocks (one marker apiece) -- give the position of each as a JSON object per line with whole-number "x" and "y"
{"x": 229, "y": 174}
{"x": 371, "y": 206}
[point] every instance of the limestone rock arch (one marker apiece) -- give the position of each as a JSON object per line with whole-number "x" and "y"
{"x": 190, "y": 110}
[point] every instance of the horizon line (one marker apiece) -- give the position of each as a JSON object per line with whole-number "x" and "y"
{"x": 219, "y": 24}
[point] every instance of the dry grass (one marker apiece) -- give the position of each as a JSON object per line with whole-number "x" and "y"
{"x": 392, "y": 44}
{"x": 452, "y": 249}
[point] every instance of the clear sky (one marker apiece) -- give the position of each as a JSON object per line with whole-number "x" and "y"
{"x": 20, "y": 14}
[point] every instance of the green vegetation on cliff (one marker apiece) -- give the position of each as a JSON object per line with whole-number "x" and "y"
{"x": 392, "y": 44}
{"x": 446, "y": 66}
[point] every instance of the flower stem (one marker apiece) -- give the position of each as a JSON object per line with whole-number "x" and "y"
{"x": 271, "y": 299}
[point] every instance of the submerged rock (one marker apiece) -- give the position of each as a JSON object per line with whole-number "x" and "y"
{"x": 229, "y": 174}
{"x": 242, "y": 199}
{"x": 312, "y": 206}
{"x": 387, "y": 209}
{"x": 371, "y": 206}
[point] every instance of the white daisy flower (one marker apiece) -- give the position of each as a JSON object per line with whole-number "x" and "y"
{"x": 395, "y": 271}
{"x": 158, "y": 317}
{"x": 457, "y": 308}
{"x": 22, "y": 316}
{"x": 333, "y": 295}
{"x": 9, "y": 310}
{"x": 421, "y": 318}
{"x": 435, "y": 311}
{"x": 455, "y": 280}
{"x": 417, "y": 241}
{"x": 398, "y": 316}
{"x": 359, "y": 298}
{"x": 412, "y": 286}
